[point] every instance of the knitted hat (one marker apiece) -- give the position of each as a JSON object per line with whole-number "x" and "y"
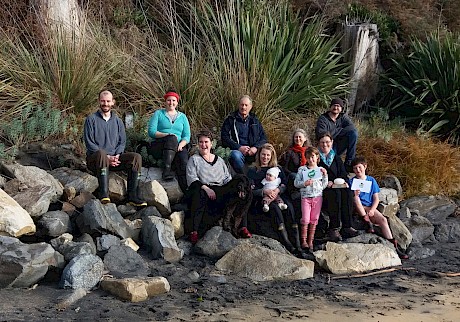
{"x": 171, "y": 93}
{"x": 275, "y": 171}
{"x": 336, "y": 101}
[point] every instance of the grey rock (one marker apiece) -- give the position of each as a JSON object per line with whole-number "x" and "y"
{"x": 266, "y": 242}
{"x": 420, "y": 228}
{"x": 158, "y": 235}
{"x": 86, "y": 238}
{"x": 33, "y": 176}
{"x": 435, "y": 209}
{"x": 146, "y": 212}
{"x": 388, "y": 210}
{"x": 216, "y": 243}
{"x": 22, "y": 265}
{"x": 400, "y": 232}
{"x": 193, "y": 276}
{"x": 449, "y": 231}
{"x": 117, "y": 187}
{"x": 392, "y": 182}
{"x": 104, "y": 242}
{"x": 262, "y": 264}
{"x": 102, "y": 219}
{"x": 185, "y": 246}
{"x": 76, "y": 179}
{"x": 14, "y": 220}
{"x": 404, "y": 213}
{"x": 155, "y": 195}
{"x": 388, "y": 196}
{"x": 55, "y": 223}
{"x": 126, "y": 210}
{"x": 71, "y": 249}
{"x": 35, "y": 200}
{"x": 420, "y": 252}
{"x": 177, "y": 220}
{"x": 83, "y": 271}
{"x": 122, "y": 261}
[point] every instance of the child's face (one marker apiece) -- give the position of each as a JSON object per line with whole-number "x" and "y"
{"x": 360, "y": 169}
{"x": 269, "y": 177}
{"x": 312, "y": 160}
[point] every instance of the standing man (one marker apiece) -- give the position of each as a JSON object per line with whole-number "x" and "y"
{"x": 342, "y": 129}
{"x": 105, "y": 141}
{"x": 243, "y": 133}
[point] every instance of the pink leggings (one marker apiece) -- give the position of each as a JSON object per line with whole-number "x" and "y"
{"x": 311, "y": 208}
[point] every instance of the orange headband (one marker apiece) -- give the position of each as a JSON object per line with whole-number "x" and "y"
{"x": 172, "y": 94}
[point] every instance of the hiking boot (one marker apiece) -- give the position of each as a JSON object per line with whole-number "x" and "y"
{"x": 349, "y": 232}
{"x": 334, "y": 235}
{"x": 244, "y": 233}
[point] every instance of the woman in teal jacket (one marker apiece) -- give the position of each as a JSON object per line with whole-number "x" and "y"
{"x": 170, "y": 131}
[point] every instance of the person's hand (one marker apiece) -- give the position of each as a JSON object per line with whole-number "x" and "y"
{"x": 329, "y": 184}
{"x": 308, "y": 182}
{"x": 113, "y": 160}
{"x": 357, "y": 192}
{"x": 244, "y": 149}
{"x": 211, "y": 194}
{"x": 271, "y": 193}
{"x": 371, "y": 212}
{"x": 323, "y": 171}
{"x": 252, "y": 151}
{"x": 181, "y": 145}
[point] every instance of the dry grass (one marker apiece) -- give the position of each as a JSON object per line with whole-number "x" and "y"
{"x": 423, "y": 165}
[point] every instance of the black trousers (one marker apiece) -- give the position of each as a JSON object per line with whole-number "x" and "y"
{"x": 338, "y": 203}
{"x": 128, "y": 161}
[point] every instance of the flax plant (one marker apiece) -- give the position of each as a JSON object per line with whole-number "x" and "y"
{"x": 427, "y": 86}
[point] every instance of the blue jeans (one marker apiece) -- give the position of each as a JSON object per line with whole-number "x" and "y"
{"x": 236, "y": 160}
{"x": 346, "y": 141}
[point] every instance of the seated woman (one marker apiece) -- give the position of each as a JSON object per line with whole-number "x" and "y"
{"x": 266, "y": 159}
{"x": 170, "y": 131}
{"x": 209, "y": 186}
{"x": 337, "y": 202}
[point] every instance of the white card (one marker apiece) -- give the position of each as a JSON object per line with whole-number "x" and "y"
{"x": 312, "y": 174}
{"x": 361, "y": 185}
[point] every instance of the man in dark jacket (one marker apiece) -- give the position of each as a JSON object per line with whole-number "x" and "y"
{"x": 105, "y": 140}
{"x": 243, "y": 133}
{"x": 342, "y": 129}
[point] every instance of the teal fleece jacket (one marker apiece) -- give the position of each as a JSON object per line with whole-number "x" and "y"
{"x": 159, "y": 122}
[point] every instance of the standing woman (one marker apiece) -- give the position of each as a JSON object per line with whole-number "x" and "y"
{"x": 337, "y": 202}
{"x": 170, "y": 131}
{"x": 266, "y": 159}
{"x": 208, "y": 179}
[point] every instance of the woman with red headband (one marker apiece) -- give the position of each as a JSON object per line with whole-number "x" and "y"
{"x": 170, "y": 131}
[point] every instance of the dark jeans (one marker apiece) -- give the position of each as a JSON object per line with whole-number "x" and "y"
{"x": 128, "y": 161}
{"x": 169, "y": 142}
{"x": 338, "y": 203}
{"x": 346, "y": 140}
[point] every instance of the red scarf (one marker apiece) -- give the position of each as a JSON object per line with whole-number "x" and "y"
{"x": 300, "y": 149}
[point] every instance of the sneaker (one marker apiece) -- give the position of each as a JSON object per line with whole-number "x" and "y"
{"x": 265, "y": 208}
{"x": 334, "y": 235}
{"x": 194, "y": 237}
{"x": 244, "y": 232}
{"x": 349, "y": 232}
{"x": 282, "y": 206}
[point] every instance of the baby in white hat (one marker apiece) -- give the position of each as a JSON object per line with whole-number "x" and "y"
{"x": 272, "y": 182}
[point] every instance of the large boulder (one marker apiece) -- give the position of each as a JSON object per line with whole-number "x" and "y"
{"x": 262, "y": 264}
{"x": 216, "y": 243}
{"x": 123, "y": 261}
{"x": 65, "y": 245}
{"x": 266, "y": 242}
{"x": 435, "y": 209}
{"x": 388, "y": 196}
{"x": 177, "y": 220}
{"x": 420, "y": 227}
{"x": 117, "y": 187}
{"x": 35, "y": 200}
{"x": 22, "y": 265}
{"x": 14, "y": 220}
{"x": 81, "y": 181}
{"x": 33, "y": 176}
{"x": 97, "y": 218}
{"x": 83, "y": 271}
{"x": 400, "y": 231}
{"x": 158, "y": 235}
{"x": 136, "y": 289}
{"x": 356, "y": 258}
{"x": 171, "y": 186}
{"x": 449, "y": 231}
{"x": 155, "y": 195}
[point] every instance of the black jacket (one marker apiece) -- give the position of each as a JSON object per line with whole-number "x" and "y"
{"x": 229, "y": 132}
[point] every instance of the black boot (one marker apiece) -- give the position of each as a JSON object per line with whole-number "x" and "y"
{"x": 133, "y": 184}
{"x": 285, "y": 239}
{"x": 103, "y": 180}
{"x": 168, "y": 157}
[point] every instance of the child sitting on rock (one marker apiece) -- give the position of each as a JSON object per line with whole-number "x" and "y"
{"x": 366, "y": 203}
{"x": 271, "y": 182}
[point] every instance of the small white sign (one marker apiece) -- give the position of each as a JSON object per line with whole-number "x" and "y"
{"x": 361, "y": 185}
{"x": 312, "y": 174}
